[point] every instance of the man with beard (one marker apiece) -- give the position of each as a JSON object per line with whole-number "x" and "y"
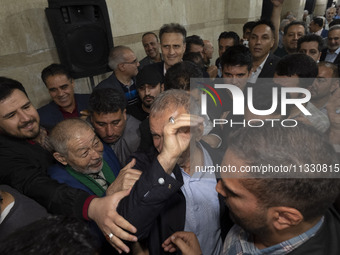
{"x": 85, "y": 163}
{"x": 112, "y": 124}
{"x": 277, "y": 215}
{"x": 24, "y": 166}
{"x": 331, "y": 54}
{"x": 150, "y": 83}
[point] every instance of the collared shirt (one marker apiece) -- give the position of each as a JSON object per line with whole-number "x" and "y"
{"x": 239, "y": 242}
{"x": 254, "y": 75}
{"x": 202, "y": 208}
{"x": 6, "y": 211}
{"x": 100, "y": 179}
{"x": 330, "y": 57}
{"x": 318, "y": 32}
{"x": 70, "y": 115}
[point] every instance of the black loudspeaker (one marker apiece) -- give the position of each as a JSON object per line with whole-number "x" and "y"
{"x": 82, "y": 34}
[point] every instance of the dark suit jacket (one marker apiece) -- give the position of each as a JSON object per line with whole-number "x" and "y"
{"x": 336, "y": 61}
{"x": 268, "y": 69}
{"x": 324, "y": 54}
{"x": 280, "y": 52}
{"x": 326, "y": 241}
{"x": 50, "y": 115}
{"x": 157, "y": 209}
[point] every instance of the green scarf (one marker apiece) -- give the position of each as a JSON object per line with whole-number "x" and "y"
{"x": 89, "y": 182}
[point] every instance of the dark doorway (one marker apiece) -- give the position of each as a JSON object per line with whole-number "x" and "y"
{"x": 329, "y": 3}
{"x": 267, "y": 8}
{"x": 310, "y": 5}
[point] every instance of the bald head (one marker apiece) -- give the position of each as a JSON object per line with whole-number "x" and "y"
{"x": 65, "y": 131}
{"x": 77, "y": 146}
{"x": 208, "y": 51}
{"x": 117, "y": 56}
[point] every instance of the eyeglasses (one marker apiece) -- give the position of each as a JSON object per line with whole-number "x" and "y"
{"x": 134, "y": 62}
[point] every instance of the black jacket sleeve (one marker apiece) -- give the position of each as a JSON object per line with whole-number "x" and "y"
{"x": 23, "y": 166}
{"x": 148, "y": 197}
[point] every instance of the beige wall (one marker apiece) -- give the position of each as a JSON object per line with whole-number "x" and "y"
{"x": 295, "y": 6}
{"x": 320, "y": 7}
{"x": 27, "y": 45}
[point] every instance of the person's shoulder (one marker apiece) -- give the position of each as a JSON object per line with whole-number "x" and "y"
{"x": 132, "y": 131}
{"x": 132, "y": 120}
{"x": 47, "y": 108}
{"x": 273, "y": 57}
{"x": 145, "y": 61}
{"x": 57, "y": 171}
{"x": 109, "y": 82}
{"x": 9, "y": 141}
{"x": 82, "y": 96}
{"x": 158, "y": 66}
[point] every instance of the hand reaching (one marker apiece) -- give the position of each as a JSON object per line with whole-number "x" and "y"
{"x": 103, "y": 212}
{"x": 125, "y": 179}
{"x": 177, "y": 139}
{"x": 186, "y": 242}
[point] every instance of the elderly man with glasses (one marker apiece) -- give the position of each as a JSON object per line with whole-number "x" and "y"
{"x": 123, "y": 62}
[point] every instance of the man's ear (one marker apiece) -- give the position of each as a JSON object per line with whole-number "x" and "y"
{"x": 121, "y": 67}
{"x": 60, "y": 158}
{"x": 335, "y": 85}
{"x": 284, "y": 217}
{"x": 124, "y": 114}
{"x": 73, "y": 83}
{"x": 162, "y": 87}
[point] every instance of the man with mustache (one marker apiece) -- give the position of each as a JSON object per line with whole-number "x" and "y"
{"x": 150, "y": 83}
{"x": 151, "y": 46}
{"x": 84, "y": 162}
{"x": 112, "y": 124}
{"x": 66, "y": 104}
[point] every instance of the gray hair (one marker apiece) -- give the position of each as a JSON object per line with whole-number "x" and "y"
{"x": 116, "y": 56}
{"x": 174, "y": 97}
{"x": 283, "y": 23}
{"x": 335, "y": 27}
{"x": 64, "y": 131}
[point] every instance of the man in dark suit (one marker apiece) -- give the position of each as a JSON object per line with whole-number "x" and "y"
{"x": 331, "y": 54}
{"x": 65, "y": 104}
{"x": 260, "y": 44}
{"x": 316, "y": 27}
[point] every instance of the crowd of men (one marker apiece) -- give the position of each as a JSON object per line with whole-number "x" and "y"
{"x": 123, "y": 159}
